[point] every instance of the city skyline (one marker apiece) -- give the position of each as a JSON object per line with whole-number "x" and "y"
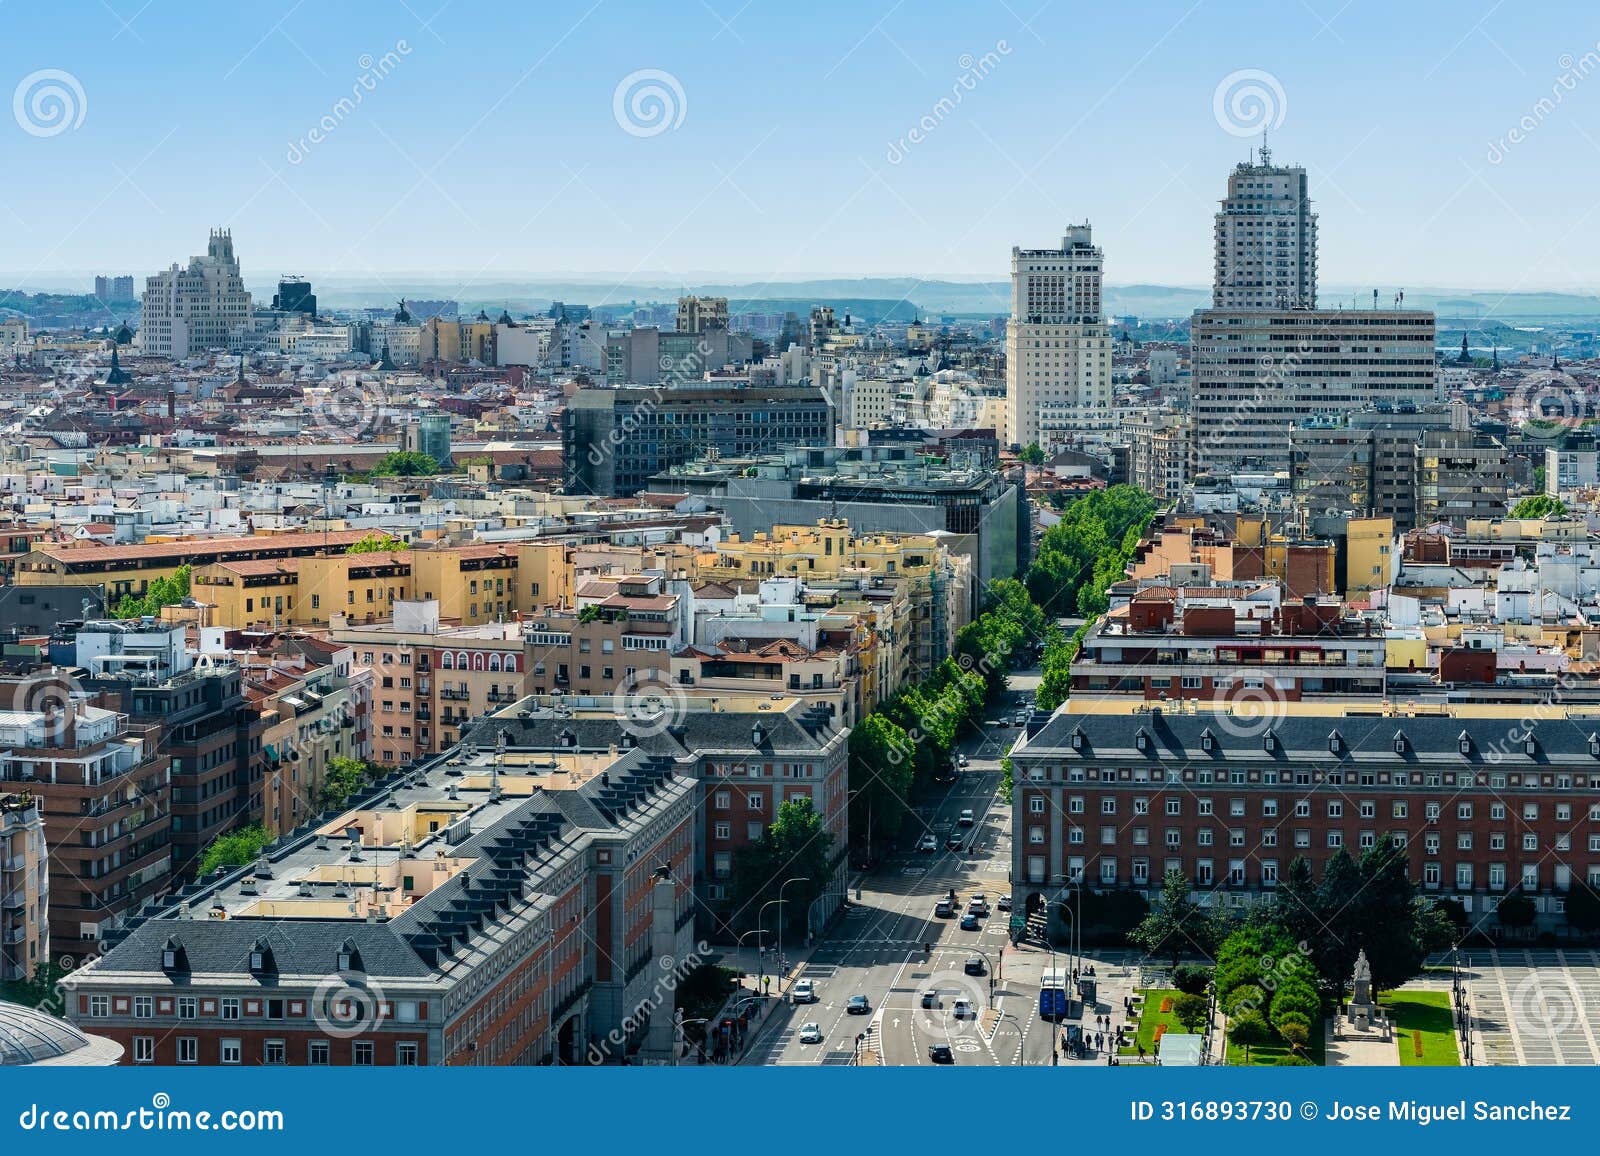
{"x": 391, "y": 144}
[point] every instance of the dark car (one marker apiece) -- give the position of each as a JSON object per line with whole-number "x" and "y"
{"x": 974, "y": 965}
{"x": 970, "y": 923}
{"x": 953, "y": 843}
{"x": 930, "y": 998}
{"x": 941, "y": 1054}
{"x": 858, "y": 1005}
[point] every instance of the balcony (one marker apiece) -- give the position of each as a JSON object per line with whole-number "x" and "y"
{"x": 454, "y": 695}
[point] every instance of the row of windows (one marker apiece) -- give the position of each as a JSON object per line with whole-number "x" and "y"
{"x": 319, "y": 1053}
{"x": 1366, "y": 808}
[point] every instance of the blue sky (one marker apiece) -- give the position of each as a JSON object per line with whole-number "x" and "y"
{"x": 491, "y": 147}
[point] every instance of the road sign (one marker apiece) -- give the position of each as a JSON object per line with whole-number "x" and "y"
{"x": 1019, "y": 922}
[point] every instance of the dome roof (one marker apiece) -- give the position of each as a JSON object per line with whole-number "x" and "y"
{"x": 31, "y": 1037}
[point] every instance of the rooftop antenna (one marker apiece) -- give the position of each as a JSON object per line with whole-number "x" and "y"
{"x": 494, "y": 773}
{"x": 1266, "y": 153}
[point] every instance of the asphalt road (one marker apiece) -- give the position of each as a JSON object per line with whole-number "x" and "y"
{"x": 877, "y": 949}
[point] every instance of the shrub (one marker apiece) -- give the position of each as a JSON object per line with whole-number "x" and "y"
{"x": 1297, "y": 1033}
{"x": 1191, "y": 978}
{"x": 1295, "y": 997}
{"x": 1245, "y": 997}
{"x": 1293, "y": 1061}
{"x": 1190, "y": 1011}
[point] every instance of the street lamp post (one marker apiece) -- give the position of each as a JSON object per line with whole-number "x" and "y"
{"x": 761, "y": 917}
{"x": 784, "y": 886}
{"x": 761, "y": 953}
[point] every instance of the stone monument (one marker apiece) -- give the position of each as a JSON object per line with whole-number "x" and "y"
{"x": 1361, "y": 1016}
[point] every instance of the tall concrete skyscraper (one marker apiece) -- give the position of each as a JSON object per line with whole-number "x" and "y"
{"x": 1058, "y": 346}
{"x": 1266, "y": 239}
{"x": 1265, "y": 358}
{"x": 187, "y": 310}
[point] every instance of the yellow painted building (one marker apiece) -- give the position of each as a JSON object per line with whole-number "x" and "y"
{"x": 1369, "y": 556}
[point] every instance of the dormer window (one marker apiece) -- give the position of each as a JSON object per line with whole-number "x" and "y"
{"x": 1077, "y": 738}
{"x": 1400, "y": 744}
{"x": 1208, "y": 741}
{"x": 261, "y": 961}
{"x": 1141, "y": 741}
{"x": 173, "y": 957}
{"x": 1594, "y": 746}
{"x": 1269, "y": 742}
{"x": 349, "y": 958}
{"x": 1335, "y": 743}
{"x": 1530, "y": 746}
{"x": 1463, "y": 743}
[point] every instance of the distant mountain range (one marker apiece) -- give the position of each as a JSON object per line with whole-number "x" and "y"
{"x": 883, "y": 298}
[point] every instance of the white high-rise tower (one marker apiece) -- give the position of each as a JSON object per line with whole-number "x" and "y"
{"x": 1266, "y": 239}
{"x": 187, "y": 310}
{"x": 1058, "y": 349}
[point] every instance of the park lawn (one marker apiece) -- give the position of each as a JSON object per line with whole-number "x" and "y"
{"x": 1424, "y": 1014}
{"x": 1152, "y": 1018}
{"x": 1316, "y": 1051}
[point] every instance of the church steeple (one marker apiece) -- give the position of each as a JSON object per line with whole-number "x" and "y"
{"x": 240, "y": 379}
{"x": 116, "y": 375}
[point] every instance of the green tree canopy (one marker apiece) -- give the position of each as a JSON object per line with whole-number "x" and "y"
{"x": 1166, "y": 930}
{"x": 405, "y": 464}
{"x": 375, "y": 544}
{"x": 234, "y": 848}
{"x": 795, "y": 847}
{"x": 1539, "y": 506}
{"x": 168, "y": 591}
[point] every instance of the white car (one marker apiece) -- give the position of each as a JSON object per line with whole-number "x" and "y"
{"x": 927, "y": 843}
{"x": 804, "y": 991}
{"x": 962, "y": 1009}
{"x": 811, "y": 1033}
{"x": 966, "y": 819}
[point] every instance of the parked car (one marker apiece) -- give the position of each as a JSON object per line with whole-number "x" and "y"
{"x": 974, "y": 965}
{"x": 966, "y": 819}
{"x": 927, "y": 843}
{"x": 941, "y": 1054}
{"x": 858, "y": 1005}
{"x": 969, "y": 922}
{"x": 811, "y": 1034}
{"x": 962, "y": 1009}
{"x": 804, "y": 991}
{"x": 930, "y": 998}
{"x": 1004, "y": 903}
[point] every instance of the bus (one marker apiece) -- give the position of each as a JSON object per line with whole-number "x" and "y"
{"x": 1053, "y": 995}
